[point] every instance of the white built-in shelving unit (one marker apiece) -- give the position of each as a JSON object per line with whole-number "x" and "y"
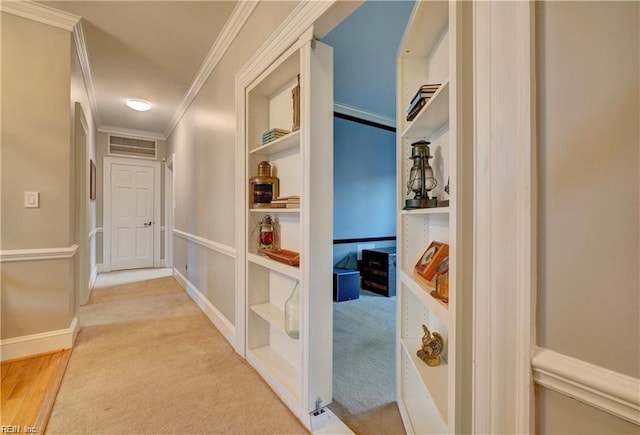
{"x": 299, "y": 370}
{"x": 431, "y": 399}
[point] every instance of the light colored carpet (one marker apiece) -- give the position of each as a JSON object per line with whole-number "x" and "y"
{"x": 364, "y": 389}
{"x": 147, "y": 361}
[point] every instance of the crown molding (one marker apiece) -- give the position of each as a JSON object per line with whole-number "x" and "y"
{"x": 232, "y": 27}
{"x": 85, "y": 67}
{"x": 356, "y": 112}
{"x": 131, "y": 132}
{"x": 40, "y": 13}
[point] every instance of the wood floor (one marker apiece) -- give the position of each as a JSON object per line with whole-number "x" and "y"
{"x": 29, "y": 388}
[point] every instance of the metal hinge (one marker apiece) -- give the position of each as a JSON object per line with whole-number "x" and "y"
{"x": 319, "y": 408}
{"x": 313, "y": 43}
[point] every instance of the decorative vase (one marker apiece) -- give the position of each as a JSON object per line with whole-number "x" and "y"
{"x": 292, "y": 313}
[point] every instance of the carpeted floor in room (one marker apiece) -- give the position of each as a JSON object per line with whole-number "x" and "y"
{"x": 364, "y": 389}
{"x": 148, "y": 361}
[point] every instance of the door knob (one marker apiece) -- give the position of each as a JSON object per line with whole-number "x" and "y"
{"x": 148, "y": 224}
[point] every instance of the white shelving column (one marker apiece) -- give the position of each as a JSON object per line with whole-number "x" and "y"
{"x": 431, "y": 398}
{"x": 298, "y": 370}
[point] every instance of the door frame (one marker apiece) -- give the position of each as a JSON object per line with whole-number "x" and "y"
{"x": 505, "y": 217}
{"x": 106, "y": 175}
{"x": 169, "y": 208}
{"x": 83, "y": 203}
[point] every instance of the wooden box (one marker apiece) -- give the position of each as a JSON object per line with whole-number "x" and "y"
{"x": 379, "y": 270}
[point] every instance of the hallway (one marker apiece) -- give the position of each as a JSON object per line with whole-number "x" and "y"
{"x": 147, "y": 360}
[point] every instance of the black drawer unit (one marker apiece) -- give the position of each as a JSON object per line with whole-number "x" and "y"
{"x": 379, "y": 271}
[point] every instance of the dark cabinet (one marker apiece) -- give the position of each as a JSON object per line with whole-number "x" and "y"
{"x": 379, "y": 271}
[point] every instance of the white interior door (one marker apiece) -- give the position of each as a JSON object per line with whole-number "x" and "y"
{"x": 132, "y": 216}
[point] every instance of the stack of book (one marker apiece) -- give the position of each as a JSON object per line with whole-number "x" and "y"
{"x": 420, "y": 99}
{"x": 286, "y": 202}
{"x": 273, "y": 134}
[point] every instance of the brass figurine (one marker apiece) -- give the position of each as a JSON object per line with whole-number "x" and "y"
{"x": 432, "y": 347}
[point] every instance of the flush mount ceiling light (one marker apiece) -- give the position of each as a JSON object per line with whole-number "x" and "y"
{"x": 139, "y": 105}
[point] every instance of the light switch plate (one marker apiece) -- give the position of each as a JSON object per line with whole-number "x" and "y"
{"x": 32, "y": 199}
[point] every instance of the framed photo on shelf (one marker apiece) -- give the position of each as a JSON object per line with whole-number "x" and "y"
{"x": 429, "y": 261}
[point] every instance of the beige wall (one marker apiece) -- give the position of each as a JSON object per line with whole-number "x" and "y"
{"x": 37, "y": 155}
{"x": 205, "y": 180}
{"x": 589, "y": 190}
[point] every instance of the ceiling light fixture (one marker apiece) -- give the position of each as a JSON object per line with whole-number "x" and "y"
{"x": 139, "y": 105}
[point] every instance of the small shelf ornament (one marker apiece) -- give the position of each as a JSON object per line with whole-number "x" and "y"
{"x": 432, "y": 347}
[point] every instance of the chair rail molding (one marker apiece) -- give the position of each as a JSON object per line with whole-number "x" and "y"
{"x": 12, "y": 255}
{"x": 610, "y": 391}
{"x": 209, "y": 244}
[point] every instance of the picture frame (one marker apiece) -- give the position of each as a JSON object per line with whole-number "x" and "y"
{"x": 92, "y": 180}
{"x": 428, "y": 263}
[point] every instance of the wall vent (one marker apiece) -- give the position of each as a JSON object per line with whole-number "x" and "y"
{"x": 132, "y": 147}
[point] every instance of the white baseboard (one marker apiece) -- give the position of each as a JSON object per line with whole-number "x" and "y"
{"x": 35, "y": 344}
{"x": 94, "y": 276}
{"x": 99, "y": 268}
{"x": 219, "y": 321}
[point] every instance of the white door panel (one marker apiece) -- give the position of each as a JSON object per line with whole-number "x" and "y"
{"x": 132, "y": 210}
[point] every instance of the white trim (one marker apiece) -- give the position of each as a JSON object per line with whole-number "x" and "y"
{"x": 106, "y": 206}
{"x": 40, "y": 13}
{"x": 163, "y": 263}
{"x": 214, "y": 246}
{"x": 130, "y": 132}
{"x": 169, "y": 206}
{"x": 504, "y": 212}
{"x": 366, "y": 115}
{"x": 85, "y": 68}
{"x": 612, "y": 392}
{"x": 99, "y": 267}
{"x": 219, "y": 321}
{"x": 130, "y": 276}
{"x": 232, "y": 27}
{"x": 93, "y": 278}
{"x": 11, "y": 255}
{"x": 34, "y": 344}
{"x": 93, "y": 233}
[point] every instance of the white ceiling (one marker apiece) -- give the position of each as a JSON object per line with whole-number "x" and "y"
{"x": 150, "y": 50}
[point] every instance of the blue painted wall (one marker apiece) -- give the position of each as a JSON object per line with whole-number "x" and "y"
{"x": 365, "y": 47}
{"x": 364, "y": 179}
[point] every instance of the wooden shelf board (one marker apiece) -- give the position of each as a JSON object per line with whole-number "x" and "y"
{"x": 284, "y": 269}
{"x": 269, "y": 363}
{"x": 423, "y": 293}
{"x": 275, "y": 210}
{"x": 434, "y": 379}
{"x": 433, "y": 210}
{"x": 272, "y": 314}
{"x": 423, "y": 417}
{"x": 288, "y": 142}
{"x": 433, "y": 116}
{"x": 425, "y": 28}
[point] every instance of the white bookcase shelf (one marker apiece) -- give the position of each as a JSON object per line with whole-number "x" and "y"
{"x": 299, "y": 370}
{"x": 433, "y": 116}
{"x": 434, "y": 399}
{"x": 285, "y": 143}
{"x": 275, "y": 266}
{"x": 423, "y": 294}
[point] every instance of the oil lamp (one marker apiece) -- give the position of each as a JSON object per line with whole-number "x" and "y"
{"x": 266, "y": 233}
{"x": 421, "y": 179}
